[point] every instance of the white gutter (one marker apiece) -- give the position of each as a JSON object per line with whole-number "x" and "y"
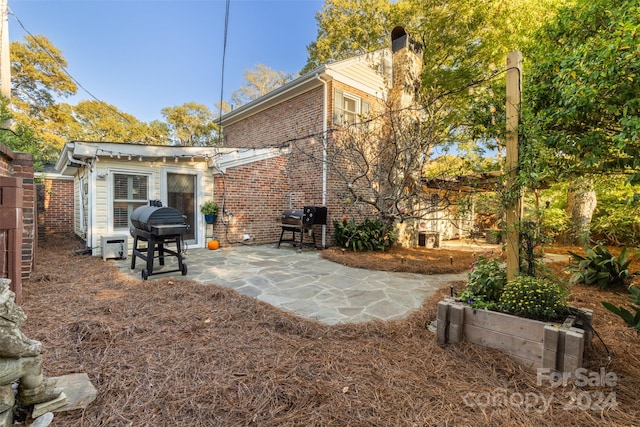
{"x": 91, "y": 238}
{"x": 324, "y": 153}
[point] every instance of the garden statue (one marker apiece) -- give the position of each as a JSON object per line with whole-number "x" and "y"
{"x": 20, "y": 358}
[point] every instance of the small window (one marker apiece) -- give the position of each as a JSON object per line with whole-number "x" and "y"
{"x": 129, "y": 192}
{"x": 348, "y": 108}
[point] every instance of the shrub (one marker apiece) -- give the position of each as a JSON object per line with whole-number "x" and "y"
{"x": 599, "y": 266}
{"x": 485, "y": 281}
{"x": 366, "y": 236}
{"x": 534, "y": 298}
{"x": 555, "y": 221}
{"x": 630, "y": 319}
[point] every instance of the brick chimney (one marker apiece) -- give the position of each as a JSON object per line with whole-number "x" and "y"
{"x": 407, "y": 68}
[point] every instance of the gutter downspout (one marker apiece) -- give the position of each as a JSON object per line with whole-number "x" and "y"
{"x": 91, "y": 238}
{"x": 324, "y": 153}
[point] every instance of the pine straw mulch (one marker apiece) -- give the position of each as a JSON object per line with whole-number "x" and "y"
{"x": 172, "y": 352}
{"x": 412, "y": 260}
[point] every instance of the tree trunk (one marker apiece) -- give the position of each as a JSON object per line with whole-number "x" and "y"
{"x": 581, "y": 203}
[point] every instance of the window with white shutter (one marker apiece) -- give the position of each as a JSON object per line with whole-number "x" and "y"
{"x": 129, "y": 192}
{"x": 348, "y": 108}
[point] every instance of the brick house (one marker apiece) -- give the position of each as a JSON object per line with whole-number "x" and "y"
{"x": 272, "y": 158}
{"x": 112, "y": 179}
{"x": 309, "y": 116}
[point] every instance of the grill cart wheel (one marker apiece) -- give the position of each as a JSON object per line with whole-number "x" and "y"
{"x": 145, "y": 274}
{"x": 184, "y": 269}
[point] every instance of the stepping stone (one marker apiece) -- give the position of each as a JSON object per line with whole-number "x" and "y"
{"x": 40, "y": 409}
{"x": 43, "y": 421}
{"x": 78, "y": 389}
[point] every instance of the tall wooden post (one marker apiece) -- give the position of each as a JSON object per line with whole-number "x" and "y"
{"x": 5, "y": 59}
{"x": 514, "y": 91}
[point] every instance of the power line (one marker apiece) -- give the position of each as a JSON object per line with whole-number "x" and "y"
{"x": 45, "y": 50}
{"x": 224, "y": 54}
{"x": 63, "y": 68}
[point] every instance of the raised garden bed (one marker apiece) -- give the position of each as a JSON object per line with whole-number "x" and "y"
{"x": 558, "y": 346}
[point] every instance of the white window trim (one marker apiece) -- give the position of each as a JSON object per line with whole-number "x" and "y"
{"x": 110, "y": 196}
{"x": 199, "y": 193}
{"x": 339, "y": 107}
{"x": 356, "y": 113}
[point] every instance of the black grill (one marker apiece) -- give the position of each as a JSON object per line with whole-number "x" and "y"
{"x": 158, "y": 226}
{"x": 301, "y": 221}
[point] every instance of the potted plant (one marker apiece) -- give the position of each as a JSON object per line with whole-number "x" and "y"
{"x": 210, "y": 211}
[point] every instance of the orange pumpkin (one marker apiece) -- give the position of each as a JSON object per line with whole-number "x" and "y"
{"x": 213, "y": 245}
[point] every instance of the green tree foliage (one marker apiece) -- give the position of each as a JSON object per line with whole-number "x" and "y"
{"x": 20, "y": 138}
{"x": 464, "y": 51}
{"x": 99, "y": 121}
{"x": 38, "y": 80}
{"x": 464, "y": 48}
{"x": 583, "y": 88}
{"x": 347, "y": 28}
{"x": 259, "y": 81}
{"x": 37, "y": 74}
{"x": 617, "y": 218}
{"x": 191, "y": 124}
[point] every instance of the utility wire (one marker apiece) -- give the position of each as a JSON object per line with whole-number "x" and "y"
{"x": 224, "y": 54}
{"x": 63, "y": 68}
{"x": 55, "y": 59}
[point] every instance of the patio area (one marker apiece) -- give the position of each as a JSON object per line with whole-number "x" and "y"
{"x": 303, "y": 282}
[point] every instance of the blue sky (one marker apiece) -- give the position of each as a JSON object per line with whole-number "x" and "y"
{"x": 144, "y": 55}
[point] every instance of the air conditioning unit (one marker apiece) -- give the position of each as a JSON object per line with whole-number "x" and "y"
{"x": 114, "y": 247}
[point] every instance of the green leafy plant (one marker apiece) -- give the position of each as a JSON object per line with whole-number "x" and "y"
{"x": 534, "y": 298}
{"x": 630, "y": 318}
{"x": 599, "y": 266}
{"x": 209, "y": 208}
{"x": 366, "y": 236}
{"x": 485, "y": 282}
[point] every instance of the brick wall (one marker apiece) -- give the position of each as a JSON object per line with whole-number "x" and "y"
{"x": 288, "y": 182}
{"x": 55, "y": 208}
{"x": 254, "y": 197}
{"x": 22, "y": 167}
{"x": 19, "y": 237}
{"x": 295, "y": 183}
{"x": 295, "y": 118}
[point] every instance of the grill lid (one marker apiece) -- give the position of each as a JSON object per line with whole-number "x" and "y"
{"x": 150, "y": 217}
{"x": 292, "y": 216}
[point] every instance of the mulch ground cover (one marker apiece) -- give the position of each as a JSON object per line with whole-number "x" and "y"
{"x": 173, "y": 352}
